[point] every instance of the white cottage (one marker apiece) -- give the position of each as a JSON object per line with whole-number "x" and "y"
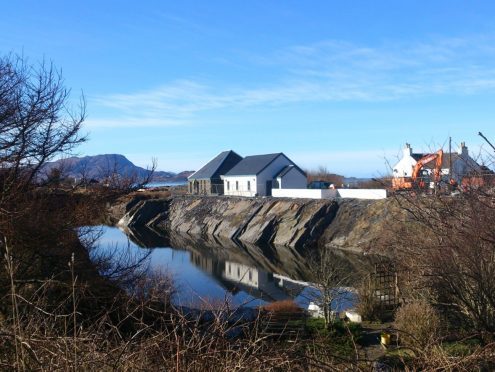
{"x": 459, "y": 163}
{"x": 257, "y": 175}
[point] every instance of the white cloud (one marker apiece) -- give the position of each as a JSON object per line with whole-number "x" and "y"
{"x": 328, "y": 71}
{"x": 126, "y": 122}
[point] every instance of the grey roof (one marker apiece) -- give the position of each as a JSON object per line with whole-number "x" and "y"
{"x": 252, "y": 165}
{"x": 287, "y": 169}
{"x": 417, "y": 156}
{"x": 219, "y": 165}
{"x": 445, "y": 161}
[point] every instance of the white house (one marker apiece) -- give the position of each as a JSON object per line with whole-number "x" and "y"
{"x": 257, "y": 175}
{"x": 459, "y": 162}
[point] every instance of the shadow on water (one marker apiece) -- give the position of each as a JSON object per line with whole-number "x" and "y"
{"x": 212, "y": 269}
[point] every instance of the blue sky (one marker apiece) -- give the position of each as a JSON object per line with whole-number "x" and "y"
{"x": 343, "y": 84}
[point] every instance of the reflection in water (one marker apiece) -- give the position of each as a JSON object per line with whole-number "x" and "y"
{"x": 213, "y": 271}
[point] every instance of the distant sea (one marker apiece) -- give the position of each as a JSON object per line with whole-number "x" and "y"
{"x": 165, "y": 184}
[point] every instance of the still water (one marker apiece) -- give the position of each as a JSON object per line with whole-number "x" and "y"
{"x": 206, "y": 273}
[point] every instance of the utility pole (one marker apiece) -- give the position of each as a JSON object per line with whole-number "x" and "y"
{"x": 450, "y": 158}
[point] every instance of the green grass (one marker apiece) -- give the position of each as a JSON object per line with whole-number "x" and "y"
{"x": 335, "y": 339}
{"x": 461, "y": 348}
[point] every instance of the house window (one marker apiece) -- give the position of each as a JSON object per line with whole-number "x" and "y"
{"x": 249, "y": 186}
{"x": 228, "y": 185}
{"x": 237, "y": 185}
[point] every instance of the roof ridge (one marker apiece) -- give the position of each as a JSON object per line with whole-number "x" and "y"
{"x": 220, "y": 162}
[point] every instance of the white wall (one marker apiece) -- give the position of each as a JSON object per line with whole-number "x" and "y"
{"x": 304, "y": 193}
{"x": 243, "y": 185}
{"x": 330, "y": 194}
{"x": 404, "y": 167}
{"x": 293, "y": 179}
{"x": 361, "y": 193}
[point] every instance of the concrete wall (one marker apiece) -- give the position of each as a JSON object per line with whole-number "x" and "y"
{"x": 304, "y": 193}
{"x": 361, "y": 193}
{"x": 330, "y": 194}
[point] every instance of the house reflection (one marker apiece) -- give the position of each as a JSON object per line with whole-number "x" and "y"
{"x": 269, "y": 273}
{"x": 236, "y": 277}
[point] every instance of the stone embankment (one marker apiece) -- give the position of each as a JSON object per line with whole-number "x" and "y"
{"x": 354, "y": 225}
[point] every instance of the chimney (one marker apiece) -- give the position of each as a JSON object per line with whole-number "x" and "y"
{"x": 407, "y": 150}
{"x": 463, "y": 150}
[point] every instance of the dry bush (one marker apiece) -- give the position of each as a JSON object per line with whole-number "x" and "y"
{"x": 418, "y": 324}
{"x": 369, "y": 306}
{"x": 141, "y": 334}
{"x": 283, "y": 306}
{"x": 374, "y": 183}
{"x": 322, "y": 174}
{"x": 447, "y": 246}
{"x": 81, "y": 330}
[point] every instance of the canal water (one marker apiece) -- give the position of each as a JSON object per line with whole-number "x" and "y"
{"x": 209, "y": 274}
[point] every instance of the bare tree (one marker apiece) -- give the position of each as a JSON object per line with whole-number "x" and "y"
{"x": 323, "y": 174}
{"x": 118, "y": 179}
{"x": 36, "y": 120}
{"x": 446, "y": 244}
{"x": 83, "y": 177}
{"x": 330, "y": 277}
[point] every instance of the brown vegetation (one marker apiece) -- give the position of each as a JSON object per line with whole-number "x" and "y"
{"x": 322, "y": 174}
{"x": 283, "y": 306}
{"x": 418, "y": 324}
{"x": 444, "y": 249}
{"x": 447, "y": 246}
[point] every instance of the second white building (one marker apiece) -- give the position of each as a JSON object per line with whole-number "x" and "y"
{"x": 256, "y": 175}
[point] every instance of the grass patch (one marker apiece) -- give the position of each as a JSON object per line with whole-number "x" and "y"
{"x": 461, "y": 348}
{"x": 338, "y": 339}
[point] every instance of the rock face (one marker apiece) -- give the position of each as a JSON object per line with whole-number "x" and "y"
{"x": 360, "y": 225}
{"x": 290, "y": 223}
{"x": 351, "y": 224}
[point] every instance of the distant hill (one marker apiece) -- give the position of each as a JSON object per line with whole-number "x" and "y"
{"x": 99, "y": 167}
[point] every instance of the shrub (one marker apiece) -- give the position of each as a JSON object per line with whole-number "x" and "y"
{"x": 418, "y": 324}
{"x": 369, "y": 306}
{"x": 284, "y": 306}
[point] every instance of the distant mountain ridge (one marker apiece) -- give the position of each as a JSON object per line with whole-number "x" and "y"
{"x": 99, "y": 167}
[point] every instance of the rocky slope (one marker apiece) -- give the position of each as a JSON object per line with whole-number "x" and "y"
{"x": 353, "y": 225}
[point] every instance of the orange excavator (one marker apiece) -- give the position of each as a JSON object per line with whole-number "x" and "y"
{"x": 409, "y": 183}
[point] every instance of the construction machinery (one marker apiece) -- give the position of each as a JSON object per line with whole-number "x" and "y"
{"x": 417, "y": 179}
